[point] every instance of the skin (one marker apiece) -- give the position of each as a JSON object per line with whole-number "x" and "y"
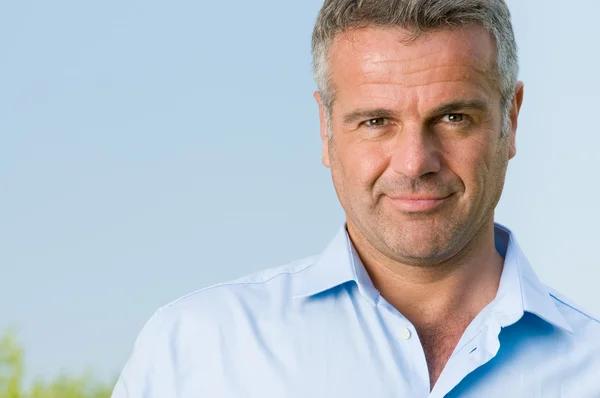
{"x": 418, "y": 164}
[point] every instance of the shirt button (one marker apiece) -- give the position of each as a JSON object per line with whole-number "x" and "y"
{"x": 405, "y": 333}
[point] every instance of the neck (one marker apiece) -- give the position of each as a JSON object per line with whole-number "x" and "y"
{"x": 460, "y": 286}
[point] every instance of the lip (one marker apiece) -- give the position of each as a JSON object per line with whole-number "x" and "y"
{"x": 418, "y": 203}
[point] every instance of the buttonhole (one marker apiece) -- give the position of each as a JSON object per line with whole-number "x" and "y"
{"x": 473, "y": 350}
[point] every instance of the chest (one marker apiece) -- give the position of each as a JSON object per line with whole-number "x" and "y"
{"x": 357, "y": 350}
{"x": 338, "y": 362}
{"x": 439, "y": 342}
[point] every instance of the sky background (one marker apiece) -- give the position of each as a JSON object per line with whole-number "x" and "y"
{"x": 152, "y": 148}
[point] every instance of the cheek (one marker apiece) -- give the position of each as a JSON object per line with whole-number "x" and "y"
{"x": 367, "y": 163}
{"x": 360, "y": 165}
{"x": 472, "y": 161}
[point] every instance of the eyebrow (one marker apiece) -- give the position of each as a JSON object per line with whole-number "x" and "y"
{"x": 456, "y": 106}
{"x": 375, "y": 113}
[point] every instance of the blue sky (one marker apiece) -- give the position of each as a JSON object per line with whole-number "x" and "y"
{"x": 152, "y": 148}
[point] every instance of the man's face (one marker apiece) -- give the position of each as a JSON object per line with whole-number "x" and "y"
{"x": 416, "y": 153}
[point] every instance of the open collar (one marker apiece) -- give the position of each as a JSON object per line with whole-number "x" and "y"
{"x": 519, "y": 291}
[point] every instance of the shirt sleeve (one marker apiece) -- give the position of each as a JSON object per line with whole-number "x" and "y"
{"x": 149, "y": 371}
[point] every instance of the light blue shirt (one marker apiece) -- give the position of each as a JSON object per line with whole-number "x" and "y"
{"x": 318, "y": 328}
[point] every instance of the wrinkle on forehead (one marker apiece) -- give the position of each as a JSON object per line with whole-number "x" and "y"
{"x": 452, "y": 74}
{"x": 375, "y": 55}
{"x": 361, "y": 40}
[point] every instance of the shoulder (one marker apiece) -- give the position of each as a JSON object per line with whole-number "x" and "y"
{"x": 198, "y": 324}
{"x": 252, "y": 292}
{"x": 581, "y": 321}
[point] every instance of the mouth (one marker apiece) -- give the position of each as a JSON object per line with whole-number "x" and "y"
{"x": 418, "y": 203}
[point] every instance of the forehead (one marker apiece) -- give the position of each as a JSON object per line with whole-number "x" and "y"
{"x": 371, "y": 60}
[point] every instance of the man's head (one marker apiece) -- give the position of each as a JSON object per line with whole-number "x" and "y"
{"x": 419, "y": 103}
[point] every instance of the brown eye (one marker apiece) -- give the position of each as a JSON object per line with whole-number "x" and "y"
{"x": 376, "y": 122}
{"x": 455, "y": 117}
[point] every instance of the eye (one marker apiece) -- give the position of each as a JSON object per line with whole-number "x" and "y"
{"x": 376, "y": 122}
{"x": 454, "y": 118}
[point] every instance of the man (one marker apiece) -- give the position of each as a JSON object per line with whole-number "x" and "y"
{"x": 420, "y": 294}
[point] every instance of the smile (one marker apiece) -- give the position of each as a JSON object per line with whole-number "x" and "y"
{"x": 418, "y": 204}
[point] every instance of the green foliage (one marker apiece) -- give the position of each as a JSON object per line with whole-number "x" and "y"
{"x": 12, "y": 371}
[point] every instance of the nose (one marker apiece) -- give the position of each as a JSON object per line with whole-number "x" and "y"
{"x": 415, "y": 153}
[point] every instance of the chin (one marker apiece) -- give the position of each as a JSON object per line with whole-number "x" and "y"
{"x": 424, "y": 255}
{"x": 421, "y": 245}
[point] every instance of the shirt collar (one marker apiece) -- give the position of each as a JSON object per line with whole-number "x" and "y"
{"x": 338, "y": 264}
{"x": 519, "y": 291}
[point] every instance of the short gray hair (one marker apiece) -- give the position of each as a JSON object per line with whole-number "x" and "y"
{"x": 417, "y": 16}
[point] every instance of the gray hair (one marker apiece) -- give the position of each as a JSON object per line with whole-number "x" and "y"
{"x": 417, "y": 16}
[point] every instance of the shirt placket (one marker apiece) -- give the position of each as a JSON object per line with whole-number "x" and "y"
{"x": 413, "y": 369}
{"x": 477, "y": 352}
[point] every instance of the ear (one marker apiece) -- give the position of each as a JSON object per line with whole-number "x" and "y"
{"x": 324, "y": 138}
{"x": 515, "y": 109}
